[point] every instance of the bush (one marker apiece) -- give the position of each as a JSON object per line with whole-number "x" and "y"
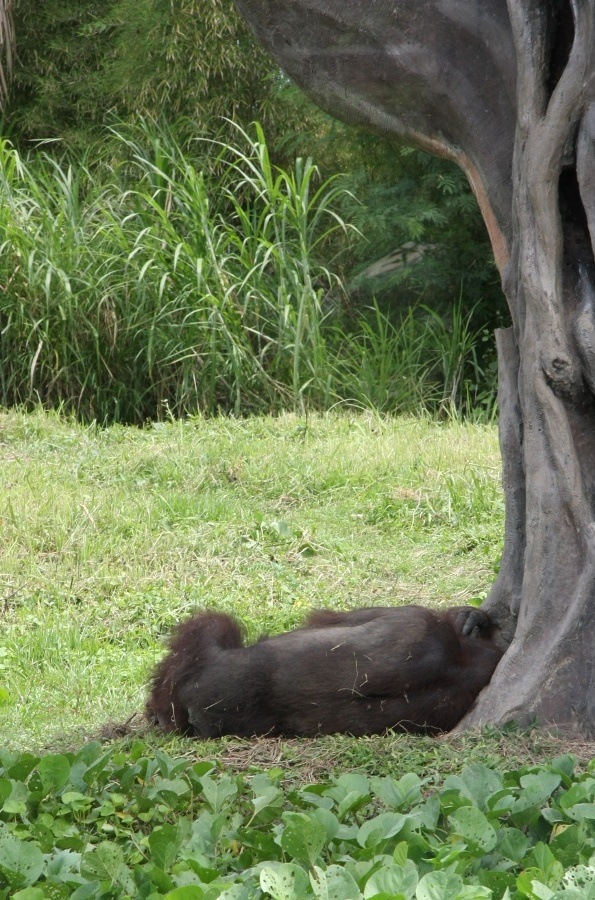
{"x": 142, "y": 285}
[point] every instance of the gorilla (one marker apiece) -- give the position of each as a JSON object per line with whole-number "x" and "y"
{"x": 362, "y": 672}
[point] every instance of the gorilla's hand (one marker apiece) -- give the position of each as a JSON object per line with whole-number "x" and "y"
{"x": 473, "y": 622}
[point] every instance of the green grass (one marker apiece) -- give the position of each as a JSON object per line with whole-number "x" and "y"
{"x": 109, "y": 536}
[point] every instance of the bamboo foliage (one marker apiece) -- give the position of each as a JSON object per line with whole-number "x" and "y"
{"x": 7, "y": 41}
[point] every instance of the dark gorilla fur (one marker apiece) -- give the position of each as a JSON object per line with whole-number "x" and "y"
{"x": 360, "y": 672}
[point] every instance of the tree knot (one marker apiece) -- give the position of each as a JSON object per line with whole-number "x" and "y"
{"x": 562, "y": 375}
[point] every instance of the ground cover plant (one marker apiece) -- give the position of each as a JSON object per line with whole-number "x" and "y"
{"x": 99, "y": 823}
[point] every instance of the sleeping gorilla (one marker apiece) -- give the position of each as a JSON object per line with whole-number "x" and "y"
{"x": 360, "y": 672}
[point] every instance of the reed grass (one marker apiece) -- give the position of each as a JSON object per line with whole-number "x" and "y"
{"x": 148, "y": 280}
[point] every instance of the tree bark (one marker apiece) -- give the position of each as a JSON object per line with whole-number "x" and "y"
{"x": 504, "y": 600}
{"x": 505, "y": 89}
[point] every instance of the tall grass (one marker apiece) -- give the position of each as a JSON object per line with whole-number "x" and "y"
{"x": 423, "y": 362}
{"x": 141, "y": 285}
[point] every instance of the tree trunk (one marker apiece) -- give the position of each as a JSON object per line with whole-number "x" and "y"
{"x": 551, "y": 660}
{"x": 504, "y": 600}
{"x": 438, "y": 73}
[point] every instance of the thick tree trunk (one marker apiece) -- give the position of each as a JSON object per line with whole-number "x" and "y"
{"x": 551, "y": 660}
{"x": 441, "y": 74}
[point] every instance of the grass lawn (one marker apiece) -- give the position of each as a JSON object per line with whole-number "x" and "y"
{"x": 109, "y": 536}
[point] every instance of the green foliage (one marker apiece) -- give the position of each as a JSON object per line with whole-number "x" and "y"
{"x": 420, "y": 363}
{"x": 413, "y": 199}
{"x": 7, "y": 41}
{"x": 174, "y": 289}
{"x": 191, "y": 58}
{"x": 187, "y": 63}
{"x": 61, "y": 50}
{"x": 398, "y": 196}
{"x": 105, "y": 823}
{"x": 144, "y": 284}
{"x": 79, "y": 61}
